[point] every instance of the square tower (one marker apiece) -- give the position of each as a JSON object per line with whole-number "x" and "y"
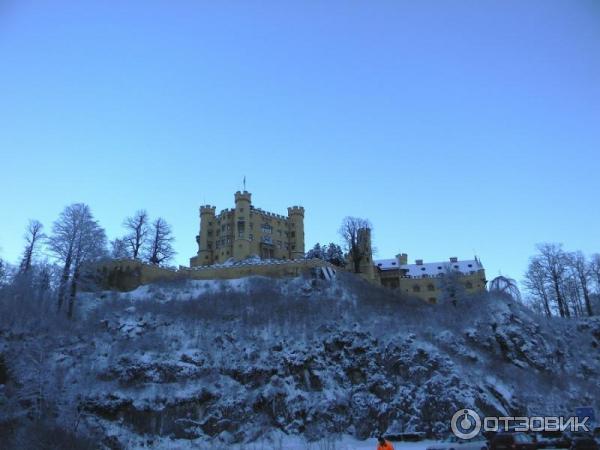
{"x": 245, "y": 231}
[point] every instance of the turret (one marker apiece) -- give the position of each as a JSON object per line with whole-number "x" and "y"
{"x": 365, "y": 267}
{"x": 402, "y": 258}
{"x": 296, "y": 231}
{"x": 205, "y": 238}
{"x": 241, "y": 243}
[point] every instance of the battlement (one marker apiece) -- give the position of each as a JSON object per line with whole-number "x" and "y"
{"x": 296, "y": 211}
{"x": 126, "y": 275}
{"x": 243, "y": 195}
{"x": 208, "y": 209}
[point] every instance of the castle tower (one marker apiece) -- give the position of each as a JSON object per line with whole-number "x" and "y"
{"x": 241, "y": 242}
{"x": 296, "y": 231}
{"x": 366, "y": 265}
{"x": 205, "y": 238}
{"x": 402, "y": 258}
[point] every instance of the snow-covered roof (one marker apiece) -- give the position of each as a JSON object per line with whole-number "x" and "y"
{"x": 430, "y": 269}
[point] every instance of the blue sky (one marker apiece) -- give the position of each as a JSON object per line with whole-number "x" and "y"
{"x": 456, "y": 127}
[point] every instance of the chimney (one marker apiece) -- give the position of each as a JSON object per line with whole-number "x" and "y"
{"x": 402, "y": 258}
{"x": 419, "y": 262}
{"x": 453, "y": 259}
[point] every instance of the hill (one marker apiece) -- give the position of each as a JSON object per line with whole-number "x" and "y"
{"x": 233, "y": 361}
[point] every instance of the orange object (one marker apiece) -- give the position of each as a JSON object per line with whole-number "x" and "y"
{"x": 386, "y": 446}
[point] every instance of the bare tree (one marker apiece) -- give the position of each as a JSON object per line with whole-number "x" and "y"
{"x": 119, "y": 249}
{"x": 356, "y": 235}
{"x": 160, "y": 249}
{"x": 595, "y": 271}
{"x": 554, "y": 261}
{"x": 451, "y": 285}
{"x": 76, "y": 239}
{"x": 33, "y": 236}
{"x": 91, "y": 245}
{"x": 582, "y": 271}
{"x": 138, "y": 227}
{"x": 3, "y": 272}
{"x": 535, "y": 283}
{"x": 506, "y": 287}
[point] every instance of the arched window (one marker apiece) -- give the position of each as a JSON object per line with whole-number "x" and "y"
{"x": 430, "y": 287}
{"x": 416, "y": 288}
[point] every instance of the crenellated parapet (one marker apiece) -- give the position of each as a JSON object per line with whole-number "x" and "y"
{"x": 243, "y": 196}
{"x": 207, "y": 210}
{"x": 296, "y": 211}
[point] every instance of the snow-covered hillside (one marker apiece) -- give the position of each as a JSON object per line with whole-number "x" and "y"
{"x": 236, "y": 361}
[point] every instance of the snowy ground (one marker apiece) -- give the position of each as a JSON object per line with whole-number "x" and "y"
{"x": 287, "y": 443}
{"x": 291, "y": 443}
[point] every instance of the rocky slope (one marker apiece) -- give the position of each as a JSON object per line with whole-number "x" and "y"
{"x": 231, "y": 361}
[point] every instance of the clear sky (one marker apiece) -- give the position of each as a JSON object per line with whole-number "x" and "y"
{"x": 456, "y": 127}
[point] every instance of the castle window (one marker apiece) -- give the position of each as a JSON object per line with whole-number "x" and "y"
{"x": 251, "y": 237}
{"x": 430, "y": 287}
{"x": 423, "y": 268}
{"x": 439, "y": 267}
{"x": 293, "y": 234}
{"x": 432, "y": 300}
{"x": 470, "y": 265}
{"x": 469, "y": 285}
{"x": 266, "y": 228}
{"x": 416, "y": 288}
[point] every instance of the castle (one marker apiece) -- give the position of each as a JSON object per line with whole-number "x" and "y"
{"x": 244, "y": 231}
{"x": 245, "y": 240}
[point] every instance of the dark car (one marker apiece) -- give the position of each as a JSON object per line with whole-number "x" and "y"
{"x": 583, "y": 441}
{"x": 405, "y": 437}
{"x": 512, "y": 441}
{"x": 552, "y": 439}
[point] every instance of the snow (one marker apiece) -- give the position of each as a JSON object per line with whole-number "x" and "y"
{"x": 284, "y": 442}
{"x": 431, "y": 269}
{"x": 189, "y": 290}
{"x": 301, "y": 354}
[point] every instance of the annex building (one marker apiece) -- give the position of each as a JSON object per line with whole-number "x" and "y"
{"x": 427, "y": 281}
